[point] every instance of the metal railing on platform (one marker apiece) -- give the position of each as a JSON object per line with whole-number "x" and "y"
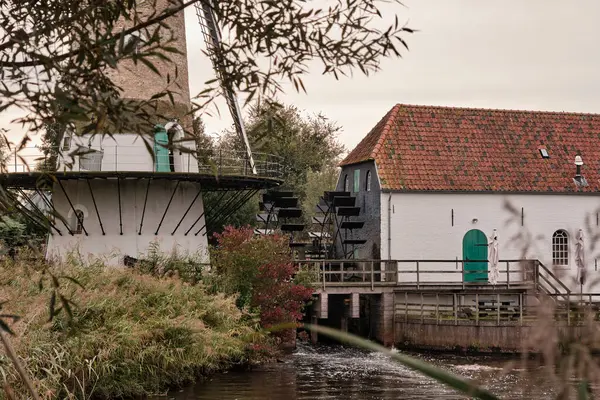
{"x": 127, "y": 158}
{"x": 418, "y": 273}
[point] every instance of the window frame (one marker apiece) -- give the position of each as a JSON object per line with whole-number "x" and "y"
{"x": 560, "y": 248}
{"x": 346, "y": 183}
{"x": 368, "y": 181}
{"x": 66, "y": 146}
{"x": 356, "y": 183}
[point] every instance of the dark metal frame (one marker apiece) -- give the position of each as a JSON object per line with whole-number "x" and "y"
{"x": 187, "y": 211}
{"x": 55, "y": 211}
{"x": 17, "y": 204}
{"x": 239, "y": 189}
{"x": 203, "y": 213}
{"x": 96, "y": 207}
{"x": 72, "y": 208}
{"x": 144, "y": 209}
{"x": 226, "y": 206}
{"x": 167, "y": 208}
{"x": 41, "y": 213}
{"x": 230, "y": 211}
{"x": 120, "y": 212}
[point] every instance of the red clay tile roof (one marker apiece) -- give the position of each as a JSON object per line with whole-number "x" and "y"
{"x": 446, "y": 148}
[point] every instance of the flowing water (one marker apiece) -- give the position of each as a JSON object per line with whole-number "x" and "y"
{"x": 335, "y": 372}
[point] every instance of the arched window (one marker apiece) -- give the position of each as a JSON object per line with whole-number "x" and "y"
{"x": 346, "y": 184}
{"x": 368, "y": 182}
{"x": 560, "y": 248}
{"x": 78, "y": 222}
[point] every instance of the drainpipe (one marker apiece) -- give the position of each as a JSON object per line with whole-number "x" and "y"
{"x": 389, "y": 235}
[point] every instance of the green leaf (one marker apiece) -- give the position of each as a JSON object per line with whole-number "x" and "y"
{"x": 454, "y": 381}
{"x": 14, "y": 317}
{"x": 66, "y": 306}
{"x": 75, "y": 281}
{"x": 5, "y": 327}
{"x": 52, "y": 305}
{"x": 150, "y": 66}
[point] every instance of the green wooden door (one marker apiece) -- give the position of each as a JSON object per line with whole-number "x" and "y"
{"x": 475, "y": 248}
{"x": 161, "y": 152}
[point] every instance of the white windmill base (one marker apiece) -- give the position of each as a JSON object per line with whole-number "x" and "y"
{"x": 132, "y": 231}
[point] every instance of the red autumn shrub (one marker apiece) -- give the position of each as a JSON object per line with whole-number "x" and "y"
{"x": 260, "y": 270}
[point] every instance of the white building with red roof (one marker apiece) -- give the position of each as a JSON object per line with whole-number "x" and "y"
{"x": 437, "y": 183}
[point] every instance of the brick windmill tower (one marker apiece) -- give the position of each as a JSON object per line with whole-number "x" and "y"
{"x": 112, "y": 198}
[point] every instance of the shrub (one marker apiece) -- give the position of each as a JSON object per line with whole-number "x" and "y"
{"x": 260, "y": 270}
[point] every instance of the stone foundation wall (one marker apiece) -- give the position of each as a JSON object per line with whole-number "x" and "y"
{"x": 385, "y": 320}
{"x": 460, "y": 337}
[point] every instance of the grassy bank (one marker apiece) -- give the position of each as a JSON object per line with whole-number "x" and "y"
{"x": 130, "y": 334}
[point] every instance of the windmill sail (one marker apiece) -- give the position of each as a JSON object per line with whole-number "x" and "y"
{"x": 212, "y": 38}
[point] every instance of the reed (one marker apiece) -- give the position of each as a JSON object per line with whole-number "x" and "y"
{"x": 129, "y": 334}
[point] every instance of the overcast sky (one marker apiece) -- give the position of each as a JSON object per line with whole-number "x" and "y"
{"x": 519, "y": 54}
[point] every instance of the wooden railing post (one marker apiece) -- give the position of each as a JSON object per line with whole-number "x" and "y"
{"x": 476, "y": 308}
{"x": 418, "y": 277}
{"x": 372, "y": 276}
{"x": 507, "y": 274}
{"x": 437, "y": 308}
{"x": 462, "y": 272}
{"x": 568, "y": 309}
{"x": 422, "y": 317}
{"x": 521, "y": 308}
{"x": 323, "y": 274}
{"x": 455, "y": 308}
{"x": 342, "y": 272}
{"x": 498, "y": 308}
{"x": 405, "y": 306}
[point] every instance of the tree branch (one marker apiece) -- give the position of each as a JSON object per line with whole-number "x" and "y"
{"x": 6, "y": 45}
{"x": 168, "y": 13}
{"x": 10, "y": 352}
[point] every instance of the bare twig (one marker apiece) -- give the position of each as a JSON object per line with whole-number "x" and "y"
{"x": 10, "y": 352}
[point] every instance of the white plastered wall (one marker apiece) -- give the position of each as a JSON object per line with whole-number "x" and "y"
{"x": 113, "y": 246}
{"x": 422, "y": 227}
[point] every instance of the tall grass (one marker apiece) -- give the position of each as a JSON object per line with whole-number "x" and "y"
{"x": 130, "y": 334}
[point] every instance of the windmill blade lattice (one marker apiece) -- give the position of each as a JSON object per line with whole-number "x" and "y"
{"x": 212, "y": 38}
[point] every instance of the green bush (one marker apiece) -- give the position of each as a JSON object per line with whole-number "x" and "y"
{"x": 130, "y": 334}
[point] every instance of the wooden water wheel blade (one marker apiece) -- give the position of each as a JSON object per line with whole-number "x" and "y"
{"x": 348, "y": 211}
{"x": 352, "y": 224}
{"x": 289, "y": 213}
{"x": 292, "y": 227}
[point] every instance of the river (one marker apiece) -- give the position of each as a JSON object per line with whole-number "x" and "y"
{"x": 335, "y": 372}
